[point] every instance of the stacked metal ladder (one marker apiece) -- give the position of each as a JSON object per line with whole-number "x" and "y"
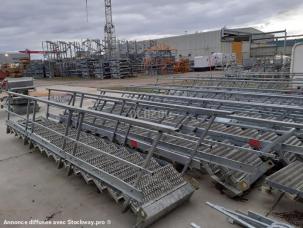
{"x": 287, "y": 179}
{"x": 267, "y": 98}
{"x": 280, "y": 112}
{"x": 261, "y": 83}
{"x": 229, "y": 168}
{"x": 287, "y": 91}
{"x": 294, "y": 141}
{"x": 150, "y": 188}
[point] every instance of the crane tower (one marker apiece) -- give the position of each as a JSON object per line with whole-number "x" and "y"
{"x": 109, "y": 30}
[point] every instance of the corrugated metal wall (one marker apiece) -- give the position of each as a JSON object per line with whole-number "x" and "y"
{"x": 226, "y": 47}
{"x": 199, "y": 44}
{"x": 203, "y": 44}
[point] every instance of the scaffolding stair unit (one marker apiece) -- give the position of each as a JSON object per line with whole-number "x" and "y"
{"x": 279, "y": 112}
{"x": 236, "y": 152}
{"x": 266, "y": 98}
{"x": 289, "y": 179}
{"x": 149, "y": 187}
{"x": 260, "y": 83}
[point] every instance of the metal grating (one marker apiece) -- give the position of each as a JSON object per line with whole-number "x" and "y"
{"x": 289, "y": 179}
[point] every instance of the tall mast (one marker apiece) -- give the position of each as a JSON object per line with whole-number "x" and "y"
{"x": 109, "y": 30}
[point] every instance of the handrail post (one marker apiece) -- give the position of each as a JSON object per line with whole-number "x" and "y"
{"x": 129, "y": 126}
{"x": 97, "y": 109}
{"x": 47, "y": 107}
{"x": 74, "y": 98}
{"x": 145, "y": 166}
{"x": 27, "y": 114}
{"x": 70, "y": 114}
{"x": 78, "y": 131}
{"x": 27, "y": 120}
{"x": 9, "y": 106}
{"x": 69, "y": 102}
{"x": 164, "y": 117}
{"x": 33, "y": 124}
{"x": 80, "y": 105}
{"x": 9, "y": 112}
{"x": 118, "y": 122}
{"x": 182, "y": 121}
{"x": 204, "y": 134}
{"x": 34, "y": 116}
{"x": 79, "y": 128}
{"x": 97, "y": 103}
{"x": 111, "y": 110}
{"x": 81, "y": 100}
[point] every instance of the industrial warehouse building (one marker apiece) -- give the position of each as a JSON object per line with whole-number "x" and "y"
{"x": 205, "y": 43}
{"x": 245, "y": 43}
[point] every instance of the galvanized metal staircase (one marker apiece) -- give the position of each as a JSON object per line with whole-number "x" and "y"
{"x": 150, "y": 187}
{"x": 236, "y": 151}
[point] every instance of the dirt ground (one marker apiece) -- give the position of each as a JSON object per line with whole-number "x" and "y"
{"x": 117, "y": 83}
{"x": 31, "y": 187}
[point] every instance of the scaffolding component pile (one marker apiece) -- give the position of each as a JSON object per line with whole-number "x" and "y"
{"x": 235, "y": 150}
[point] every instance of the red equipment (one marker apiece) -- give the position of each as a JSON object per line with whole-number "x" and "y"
{"x": 30, "y": 52}
{"x": 2, "y": 75}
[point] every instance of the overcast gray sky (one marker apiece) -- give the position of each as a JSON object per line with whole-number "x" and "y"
{"x": 25, "y": 23}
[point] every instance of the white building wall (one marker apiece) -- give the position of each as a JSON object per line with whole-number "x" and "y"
{"x": 198, "y": 44}
{"x": 202, "y": 44}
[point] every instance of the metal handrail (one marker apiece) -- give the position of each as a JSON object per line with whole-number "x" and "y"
{"x": 201, "y": 90}
{"x": 239, "y": 103}
{"x": 185, "y": 108}
{"x": 139, "y": 123}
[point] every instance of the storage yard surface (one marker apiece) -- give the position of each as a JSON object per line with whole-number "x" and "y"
{"x": 33, "y": 188}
